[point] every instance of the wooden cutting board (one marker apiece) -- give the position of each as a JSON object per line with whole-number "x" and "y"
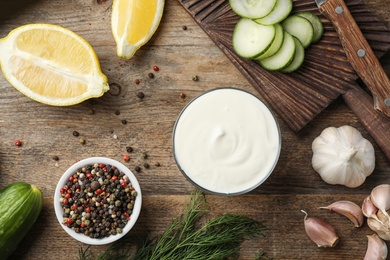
{"x": 325, "y": 75}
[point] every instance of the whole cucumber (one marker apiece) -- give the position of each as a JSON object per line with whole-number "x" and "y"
{"x": 20, "y": 206}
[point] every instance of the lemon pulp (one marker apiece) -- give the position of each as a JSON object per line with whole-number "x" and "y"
{"x": 51, "y": 65}
{"x": 133, "y": 23}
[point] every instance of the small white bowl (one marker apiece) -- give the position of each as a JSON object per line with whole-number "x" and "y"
{"x": 226, "y": 141}
{"x": 133, "y": 217}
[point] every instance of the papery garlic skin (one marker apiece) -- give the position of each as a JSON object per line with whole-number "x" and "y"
{"x": 379, "y": 228}
{"x": 376, "y": 248}
{"x": 380, "y": 225}
{"x": 342, "y": 156}
{"x": 320, "y": 232}
{"x": 348, "y": 209}
{"x": 379, "y": 201}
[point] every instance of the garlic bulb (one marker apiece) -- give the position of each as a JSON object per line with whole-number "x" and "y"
{"x": 342, "y": 156}
{"x": 380, "y": 226}
{"x": 376, "y": 208}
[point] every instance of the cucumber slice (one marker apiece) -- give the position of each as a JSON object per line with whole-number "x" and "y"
{"x": 283, "y": 57}
{"x": 252, "y": 9}
{"x": 251, "y": 39}
{"x": 299, "y": 27}
{"x": 276, "y": 44}
{"x": 279, "y": 13}
{"x": 316, "y": 23}
{"x": 299, "y": 57}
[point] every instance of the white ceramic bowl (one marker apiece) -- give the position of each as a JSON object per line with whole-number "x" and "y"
{"x": 226, "y": 141}
{"x": 80, "y": 236}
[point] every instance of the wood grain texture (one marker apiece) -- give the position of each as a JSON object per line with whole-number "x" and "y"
{"x": 325, "y": 74}
{"x": 284, "y": 239}
{"x": 46, "y": 131}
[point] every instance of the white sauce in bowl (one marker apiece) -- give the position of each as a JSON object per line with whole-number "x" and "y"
{"x": 226, "y": 141}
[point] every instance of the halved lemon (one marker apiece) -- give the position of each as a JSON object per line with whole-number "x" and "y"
{"x": 133, "y": 23}
{"x": 51, "y": 65}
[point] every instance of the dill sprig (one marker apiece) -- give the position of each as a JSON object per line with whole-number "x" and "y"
{"x": 186, "y": 238}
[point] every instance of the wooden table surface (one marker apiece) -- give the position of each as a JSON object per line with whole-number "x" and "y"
{"x": 46, "y": 131}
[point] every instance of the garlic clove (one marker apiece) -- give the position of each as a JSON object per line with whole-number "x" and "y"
{"x": 379, "y": 228}
{"x": 320, "y": 232}
{"x": 348, "y": 209}
{"x": 380, "y": 197}
{"x": 376, "y": 248}
{"x": 368, "y": 208}
{"x": 383, "y": 218}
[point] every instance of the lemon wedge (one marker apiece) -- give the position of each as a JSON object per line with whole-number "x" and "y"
{"x": 133, "y": 23}
{"x": 51, "y": 65}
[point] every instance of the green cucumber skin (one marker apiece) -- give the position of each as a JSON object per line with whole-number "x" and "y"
{"x": 20, "y": 206}
{"x": 290, "y": 25}
{"x": 237, "y": 36}
{"x": 272, "y": 49}
{"x": 269, "y": 63}
{"x": 251, "y": 10}
{"x": 317, "y": 25}
{"x": 299, "y": 57}
{"x": 283, "y": 9}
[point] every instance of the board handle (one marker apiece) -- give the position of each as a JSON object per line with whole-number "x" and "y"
{"x": 359, "y": 53}
{"x": 378, "y": 125}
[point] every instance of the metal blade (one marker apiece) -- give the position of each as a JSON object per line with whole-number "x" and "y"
{"x": 320, "y": 2}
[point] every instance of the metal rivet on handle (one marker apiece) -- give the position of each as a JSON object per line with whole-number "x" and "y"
{"x": 361, "y": 53}
{"x": 387, "y": 102}
{"x": 339, "y": 10}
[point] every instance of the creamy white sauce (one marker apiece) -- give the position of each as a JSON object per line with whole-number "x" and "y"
{"x": 226, "y": 141}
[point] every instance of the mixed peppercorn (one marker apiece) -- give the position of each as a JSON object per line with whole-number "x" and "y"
{"x": 97, "y": 201}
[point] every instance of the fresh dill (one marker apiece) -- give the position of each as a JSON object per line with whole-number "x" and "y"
{"x": 187, "y": 237}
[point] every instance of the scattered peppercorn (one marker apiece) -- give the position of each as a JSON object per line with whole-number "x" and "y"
{"x": 101, "y": 1}
{"x": 195, "y": 78}
{"x": 55, "y": 158}
{"x": 151, "y": 75}
{"x": 157, "y": 164}
{"x": 155, "y": 68}
{"x": 140, "y": 95}
{"x": 75, "y": 133}
{"x": 126, "y": 158}
{"x": 129, "y": 149}
{"x": 182, "y": 95}
{"x": 82, "y": 141}
{"x": 146, "y": 165}
{"x": 184, "y": 27}
{"x": 124, "y": 121}
{"x": 137, "y": 81}
{"x": 137, "y": 169}
{"x": 18, "y": 143}
{"x": 117, "y": 112}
